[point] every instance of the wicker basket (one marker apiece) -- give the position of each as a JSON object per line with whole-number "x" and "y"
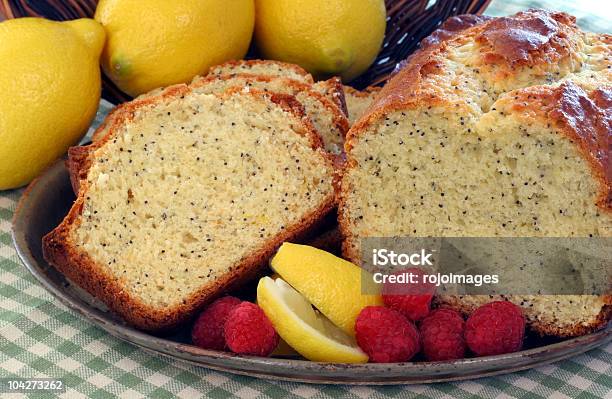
{"x": 408, "y": 22}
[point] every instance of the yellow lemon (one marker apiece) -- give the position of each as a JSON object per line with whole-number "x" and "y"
{"x": 159, "y": 42}
{"x": 303, "y": 328}
{"x": 326, "y": 37}
{"x": 49, "y": 92}
{"x": 333, "y": 285}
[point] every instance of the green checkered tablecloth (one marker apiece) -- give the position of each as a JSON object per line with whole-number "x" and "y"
{"x": 41, "y": 338}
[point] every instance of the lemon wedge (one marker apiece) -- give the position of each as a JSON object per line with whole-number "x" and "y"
{"x": 333, "y": 285}
{"x": 307, "y": 331}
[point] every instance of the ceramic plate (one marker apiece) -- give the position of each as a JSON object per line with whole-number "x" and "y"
{"x": 48, "y": 199}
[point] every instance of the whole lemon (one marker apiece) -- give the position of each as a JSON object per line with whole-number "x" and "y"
{"x": 326, "y": 37}
{"x": 49, "y": 92}
{"x": 159, "y": 42}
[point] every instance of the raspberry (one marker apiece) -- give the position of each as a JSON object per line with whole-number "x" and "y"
{"x": 495, "y": 328}
{"x": 442, "y": 335}
{"x": 207, "y": 331}
{"x": 249, "y": 332}
{"x": 413, "y": 300}
{"x": 386, "y": 335}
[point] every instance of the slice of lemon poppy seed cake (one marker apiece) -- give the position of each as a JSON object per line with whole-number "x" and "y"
{"x": 187, "y": 195}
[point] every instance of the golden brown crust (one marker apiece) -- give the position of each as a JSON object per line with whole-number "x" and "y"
{"x": 452, "y": 27}
{"x": 527, "y": 37}
{"x": 77, "y": 164}
{"x": 543, "y": 37}
{"x": 100, "y": 131}
{"x": 81, "y": 269}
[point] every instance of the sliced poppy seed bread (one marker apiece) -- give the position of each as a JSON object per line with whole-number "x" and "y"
{"x": 186, "y": 196}
{"x": 328, "y": 120}
{"x": 501, "y": 131}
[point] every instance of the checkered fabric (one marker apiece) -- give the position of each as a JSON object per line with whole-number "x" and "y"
{"x": 41, "y": 338}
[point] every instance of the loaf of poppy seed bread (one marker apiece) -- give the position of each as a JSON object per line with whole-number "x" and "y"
{"x": 502, "y": 130}
{"x": 328, "y": 120}
{"x": 186, "y": 196}
{"x": 358, "y": 101}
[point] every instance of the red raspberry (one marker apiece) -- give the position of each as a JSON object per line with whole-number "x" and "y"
{"x": 386, "y": 335}
{"x": 413, "y": 300}
{"x": 249, "y": 332}
{"x": 207, "y": 331}
{"x": 495, "y": 328}
{"x": 442, "y": 335}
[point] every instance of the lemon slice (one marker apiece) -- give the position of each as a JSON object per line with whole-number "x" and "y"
{"x": 333, "y": 285}
{"x": 307, "y": 331}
